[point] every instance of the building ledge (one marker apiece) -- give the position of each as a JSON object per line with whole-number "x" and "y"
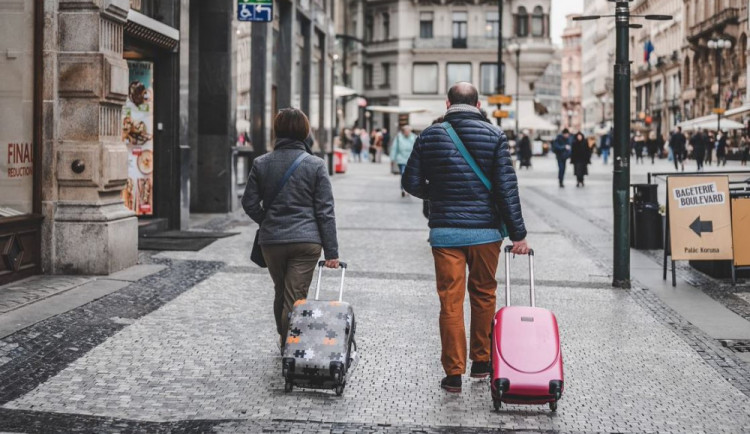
{"x": 148, "y": 29}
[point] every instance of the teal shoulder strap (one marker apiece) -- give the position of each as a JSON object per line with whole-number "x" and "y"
{"x": 467, "y": 156}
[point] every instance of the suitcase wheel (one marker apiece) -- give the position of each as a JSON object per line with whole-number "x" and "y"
{"x": 288, "y": 386}
{"x": 497, "y": 404}
{"x": 340, "y": 389}
{"x": 553, "y": 405}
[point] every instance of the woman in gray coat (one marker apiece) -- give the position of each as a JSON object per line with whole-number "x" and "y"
{"x": 300, "y": 221}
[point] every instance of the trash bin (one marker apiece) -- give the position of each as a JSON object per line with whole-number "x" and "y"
{"x": 340, "y": 160}
{"x": 646, "y": 225}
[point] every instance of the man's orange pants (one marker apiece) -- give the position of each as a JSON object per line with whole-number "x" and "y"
{"x": 450, "y": 270}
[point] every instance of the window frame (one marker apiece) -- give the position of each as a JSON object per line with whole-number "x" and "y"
{"x": 522, "y": 22}
{"x": 537, "y": 17}
{"x": 463, "y": 28}
{"x": 424, "y": 22}
{"x": 437, "y": 73}
{"x": 448, "y": 83}
{"x": 481, "y": 77}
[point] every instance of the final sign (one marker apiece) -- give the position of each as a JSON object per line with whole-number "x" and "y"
{"x": 700, "y": 218}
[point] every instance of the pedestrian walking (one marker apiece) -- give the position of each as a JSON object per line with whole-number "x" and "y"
{"x": 403, "y": 145}
{"x": 605, "y": 145}
{"x": 640, "y": 144}
{"x": 561, "y": 148}
{"x": 710, "y": 146}
{"x": 652, "y": 146}
{"x": 699, "y": 142}
{"x": 288, "y": 193}
{"x": 464, "y": 167}
{"x": 376, "y": 146}
{"x": 721, "y": 149}
{"x": 386, "y": 141}
{"x": 365, "y": 144}
{"x": 356, "y": 145}
{"x": 677, "y": 142}
{"x": 580, "y": 158}
{"x": 524, "y": 150}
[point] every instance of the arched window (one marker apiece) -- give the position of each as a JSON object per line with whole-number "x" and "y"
{"x": 537, "y": 22}
{"x": 687, "y": 73}
{"x": 522, "y": 22}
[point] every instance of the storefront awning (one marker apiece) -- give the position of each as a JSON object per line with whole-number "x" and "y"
{"x": 745, "y": 109}
{"x": 710, "y": 122}
{"x": 395, "y": 109}
{"x": 342, "y": 91}
{"x": 534, "y": 122}
{"x": 151, "y": 30}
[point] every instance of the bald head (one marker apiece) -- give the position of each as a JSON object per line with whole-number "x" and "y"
{"x": 463, "y": 93}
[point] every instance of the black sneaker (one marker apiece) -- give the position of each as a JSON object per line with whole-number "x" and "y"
{"x": 451, "y": 383}
{"x": 480, "y": 369}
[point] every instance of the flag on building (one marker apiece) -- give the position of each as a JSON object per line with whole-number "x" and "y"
{"x": 648, "y": 48}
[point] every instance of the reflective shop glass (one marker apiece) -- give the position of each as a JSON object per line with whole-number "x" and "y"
{"x": 456, "y": 72}
{"x": 16, "y": 107}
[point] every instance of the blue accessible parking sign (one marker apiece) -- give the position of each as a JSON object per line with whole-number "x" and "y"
{"x": 255, "y": 10}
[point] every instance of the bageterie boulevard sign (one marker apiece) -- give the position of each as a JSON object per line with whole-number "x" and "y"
{"x": 700, "y": 218}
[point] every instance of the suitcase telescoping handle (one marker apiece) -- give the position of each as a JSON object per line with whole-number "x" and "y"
{"x": 532, "y": 295}
{"x": 321, "y": 265}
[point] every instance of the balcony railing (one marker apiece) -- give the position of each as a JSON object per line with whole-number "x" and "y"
{"x": 727, "y": 16}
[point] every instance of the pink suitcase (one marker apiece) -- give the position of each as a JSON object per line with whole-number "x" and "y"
{"x": 527, "y": 366}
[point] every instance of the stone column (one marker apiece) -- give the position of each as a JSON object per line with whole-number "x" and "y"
{"x": 92, "y": 232}
{"x": 216, "y": 112}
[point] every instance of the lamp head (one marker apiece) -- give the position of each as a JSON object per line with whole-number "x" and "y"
{"x": 712, "y": 44}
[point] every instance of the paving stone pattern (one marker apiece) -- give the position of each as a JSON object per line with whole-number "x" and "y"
{"x": 18, "y": 294}
{"x": 203, "y": 356}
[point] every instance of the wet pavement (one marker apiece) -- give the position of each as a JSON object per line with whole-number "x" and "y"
{"x": 191, "y": 348}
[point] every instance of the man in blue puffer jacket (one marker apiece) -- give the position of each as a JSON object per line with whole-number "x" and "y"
{"x": 465, "y": 220}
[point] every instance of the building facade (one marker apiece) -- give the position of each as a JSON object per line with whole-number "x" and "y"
{"x": 657, "y": 51}
{"x": 598, "y": 57}
{"x": 118, "y": 116}
{"x": 411, "y": 66}
{"x": 571, "y": 86}
{"x": 704, "y": 21}
{"x": 547, "y": 91}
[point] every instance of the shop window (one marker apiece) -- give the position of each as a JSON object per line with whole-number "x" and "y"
{"x": 17, "y": 109}
{"x": 456, "y": 72}
{"x": 425, "y": 78}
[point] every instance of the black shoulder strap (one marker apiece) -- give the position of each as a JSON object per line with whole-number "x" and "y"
{"x": 287, "y": 175}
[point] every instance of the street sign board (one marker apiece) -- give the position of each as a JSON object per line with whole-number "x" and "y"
{"x": 741, "y": 230}
{"x": 255, "y": 10}
{"x": 719, "y": 111}
{"x": 500, "y": 114}
{"x": 700, "y": 218}
{"x": 500, "y": 99}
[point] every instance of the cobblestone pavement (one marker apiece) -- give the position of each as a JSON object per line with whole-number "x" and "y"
{"x": 191, "y": 349}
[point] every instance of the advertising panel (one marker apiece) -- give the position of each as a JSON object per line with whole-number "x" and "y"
{"x": 137, "y": 132}
{"x": 741, "y": 231}
{"x": 700, "y": 219}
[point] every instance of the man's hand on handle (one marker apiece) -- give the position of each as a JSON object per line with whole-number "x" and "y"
{"x": 332, "y": 263}
{"x": 520, "y": 248}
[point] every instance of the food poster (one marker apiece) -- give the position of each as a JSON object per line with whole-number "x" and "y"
{"x": 137, "y": 132}
{"x": 700, "y": 219}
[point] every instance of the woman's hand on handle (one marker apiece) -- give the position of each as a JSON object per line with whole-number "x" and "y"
{"x": 332, "y": 263}
{"x": 520, "y": 248}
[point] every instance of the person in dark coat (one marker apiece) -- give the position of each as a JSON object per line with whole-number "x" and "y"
{"x": 721, "y": 149}
{"x": 677, "y": 142}
{"x": 652, "y": 147}
{"x": 699, "y": 141}
{"x": 605, "y": 145}
{"x": 640, "y": 144}
{"x": 357, "y": 145}
{"x": 561, "y": 148}
{"x": 580, "y": 158}
{"x": 467, "y": 222}
{"x": 524, "y": 150}
{"x": 300, "y": 221}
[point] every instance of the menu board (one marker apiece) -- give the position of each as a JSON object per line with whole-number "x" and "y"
{"x": 137, "y": 132}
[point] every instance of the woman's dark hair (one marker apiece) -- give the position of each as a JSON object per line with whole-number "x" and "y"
{"x": 291, "y": 123}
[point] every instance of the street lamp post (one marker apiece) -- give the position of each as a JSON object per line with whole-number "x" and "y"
{"x": 719, "y": 45}
{"x": 621, "y": 171}
{"x": 500, "y": 69}
{"x": 516, "y": 48}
